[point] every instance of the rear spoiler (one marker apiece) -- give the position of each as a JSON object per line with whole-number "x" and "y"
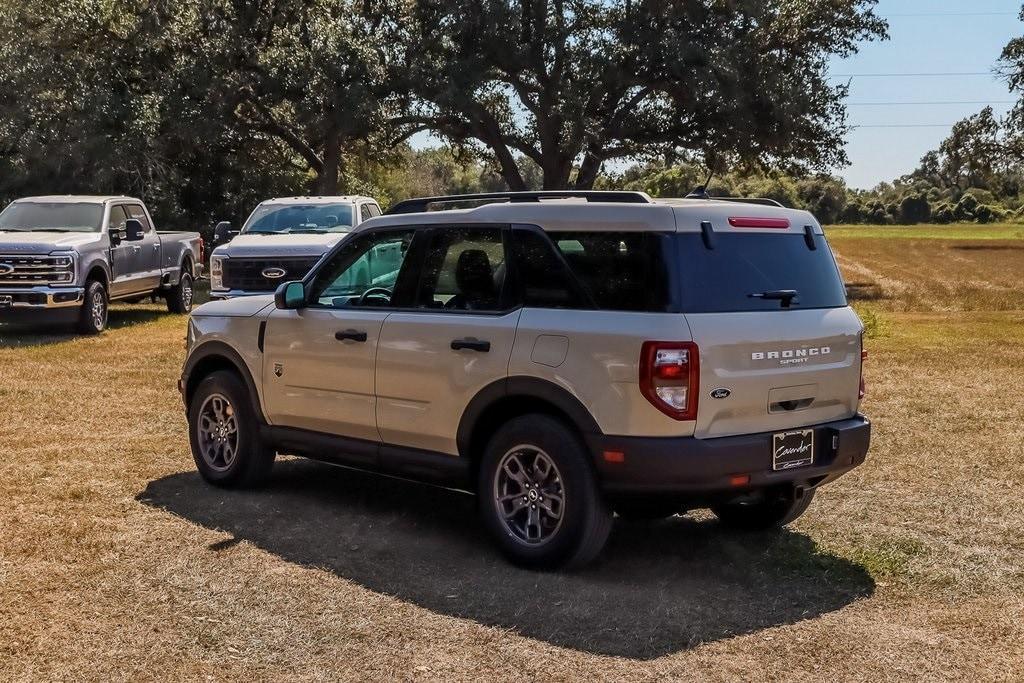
{"x": 422, "y": 204}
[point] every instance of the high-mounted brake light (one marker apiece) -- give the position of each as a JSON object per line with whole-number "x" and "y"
{"x": 754, "y": 222}
{"x": 670, "y": 377}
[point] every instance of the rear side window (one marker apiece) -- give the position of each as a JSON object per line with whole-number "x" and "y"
{"x": 620, "y": 271}
{"x": 728, "y": 277}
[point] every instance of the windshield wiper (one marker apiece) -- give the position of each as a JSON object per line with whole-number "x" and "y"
{"x": 308, "y": 231}
{"x": 785, "y": 296}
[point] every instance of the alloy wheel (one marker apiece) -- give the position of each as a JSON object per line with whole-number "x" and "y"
{"x": 218, "y": 432}
{"x": 529, "y": 495}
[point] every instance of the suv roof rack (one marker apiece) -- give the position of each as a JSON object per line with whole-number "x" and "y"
{"x": 422, "y": 203}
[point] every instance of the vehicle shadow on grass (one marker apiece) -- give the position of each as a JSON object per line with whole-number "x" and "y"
{"x": 659, "y": 587}
{"x": 17, "y": 335}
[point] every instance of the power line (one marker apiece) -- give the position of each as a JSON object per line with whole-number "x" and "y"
{"x": 953, "y": 14}
{"x": 905, "y": 125}
{"x": 914, "y": 75}
{"x": 885, "y": 104}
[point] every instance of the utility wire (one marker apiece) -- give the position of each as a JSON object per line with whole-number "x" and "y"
{"x": 953, "y": 14}
{"x": 914, "y": 75}
{"x": 885, "y": 104}
{"x": 904, "y": 125}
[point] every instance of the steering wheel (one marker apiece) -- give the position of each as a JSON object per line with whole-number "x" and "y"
{"x": 370, "y": 292}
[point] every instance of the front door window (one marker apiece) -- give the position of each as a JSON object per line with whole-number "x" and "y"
{"x": 364, "y": 272}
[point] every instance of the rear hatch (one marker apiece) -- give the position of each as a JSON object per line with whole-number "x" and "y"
{"x": 779, "y": 347}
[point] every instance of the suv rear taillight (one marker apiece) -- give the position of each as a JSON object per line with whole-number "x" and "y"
{"x": 670, "y": 377}
{"x": 863, "y": 387}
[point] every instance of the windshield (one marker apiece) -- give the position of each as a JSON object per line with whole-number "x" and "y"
{"x": 757, "y": 272}
{"x": 299, "y": 218}
{"x": 58, "y": 216}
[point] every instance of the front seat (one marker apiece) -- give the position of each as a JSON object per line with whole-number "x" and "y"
{"x": 475, "y": 280}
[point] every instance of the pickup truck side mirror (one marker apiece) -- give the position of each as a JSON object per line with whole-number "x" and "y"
{"x": 222, "y": 232}
{"x": 290, "y": 296}
{"x": 133, "y": 230}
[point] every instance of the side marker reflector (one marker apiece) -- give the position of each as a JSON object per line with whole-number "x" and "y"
{"x": 614, "y": 456}
{"x": 739, "y": 479}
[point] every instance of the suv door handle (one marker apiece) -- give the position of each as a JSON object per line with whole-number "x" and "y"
{"x": 472, "y": 344}
{"x": 351, "y": 335}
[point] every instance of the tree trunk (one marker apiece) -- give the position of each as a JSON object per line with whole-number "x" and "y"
{"x": 557, "y": 171}
{"x": 587, "y": 174}
{"x": 327, "y": 181}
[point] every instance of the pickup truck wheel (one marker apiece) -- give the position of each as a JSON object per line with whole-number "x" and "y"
{"x": 539, "y": 496}
{"x": 769, "y": 514}
{"x": 92, "y": 318}
{"x": 224, "y": 433}
{"x": 179, "y": 297}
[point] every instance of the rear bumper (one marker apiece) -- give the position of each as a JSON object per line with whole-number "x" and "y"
{"x": 687, "y": 465}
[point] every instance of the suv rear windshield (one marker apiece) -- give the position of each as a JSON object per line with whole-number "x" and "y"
{"x": 743, "y": 264}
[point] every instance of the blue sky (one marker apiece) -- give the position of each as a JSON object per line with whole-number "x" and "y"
{"x": 942, "y": 36}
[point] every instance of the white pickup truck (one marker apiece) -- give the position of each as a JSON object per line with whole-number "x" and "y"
{"x": 65, "y": 258}
{"x": 281, "y": 240}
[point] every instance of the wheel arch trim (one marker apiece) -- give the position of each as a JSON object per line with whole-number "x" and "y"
{"x": 524, "y": 387}
{"x": 213, "y": 353}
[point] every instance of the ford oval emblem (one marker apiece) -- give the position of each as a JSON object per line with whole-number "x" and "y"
{"x": 720, "y": 392}
{"x": 6, "y": 269}
{"x": 274, "y": 273}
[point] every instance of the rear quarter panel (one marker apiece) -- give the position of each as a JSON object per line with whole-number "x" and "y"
{"x": 595, "y": 356}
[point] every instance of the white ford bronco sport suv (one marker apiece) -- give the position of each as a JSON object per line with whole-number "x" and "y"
{"x": 280, "y": 241}
{"x": 562, "y": 354}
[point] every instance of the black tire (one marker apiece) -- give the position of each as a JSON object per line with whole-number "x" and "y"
{"x": 92, "y": 318}
{"x": 251, "y": 460}
{"x": 179, "y": 297}
{"x": 646, "y": 511}
{"x": 584, "y": 521}
{"x": 769, "y": 514}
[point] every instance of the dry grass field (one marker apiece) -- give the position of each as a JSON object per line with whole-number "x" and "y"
{"x": 117, "y": 563}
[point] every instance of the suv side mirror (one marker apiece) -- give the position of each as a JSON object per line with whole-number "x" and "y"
{"x": 290, "y": 296}
{"x": 222, "y": 232}
{"x": 133, "y": 230}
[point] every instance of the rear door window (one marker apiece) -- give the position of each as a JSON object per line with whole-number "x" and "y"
{"x": 741, "y": 266}
{"x": 464, "y": 270}
{"x": 543, "y": 279}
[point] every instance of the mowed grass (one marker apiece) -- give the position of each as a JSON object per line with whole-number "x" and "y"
{"x": 954, "y": 231}
{"x": 118, "y": 563}
{"x": 921, "y": 272}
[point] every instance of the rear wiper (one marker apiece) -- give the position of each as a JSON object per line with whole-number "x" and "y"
{"x": 785, "y": 296}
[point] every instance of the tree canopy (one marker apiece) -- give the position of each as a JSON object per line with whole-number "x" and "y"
{"x": 570, "y": 84}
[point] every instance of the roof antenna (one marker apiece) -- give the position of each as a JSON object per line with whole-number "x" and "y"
{"x": 701, "y": 191}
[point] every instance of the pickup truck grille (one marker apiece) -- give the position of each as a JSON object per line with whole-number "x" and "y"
{"x": 247, "y": 273}
{"x": 28, "y": 270}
